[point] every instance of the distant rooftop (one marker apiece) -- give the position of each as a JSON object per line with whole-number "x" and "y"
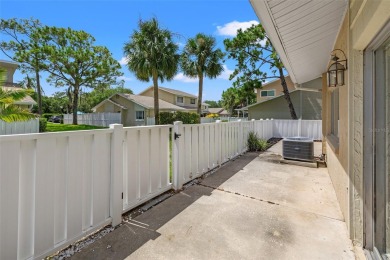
{"x": 148, "y": 102}
{"x": 172, "y": 91}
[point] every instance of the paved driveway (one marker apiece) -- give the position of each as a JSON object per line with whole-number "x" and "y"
{"x": 251, "y": 208}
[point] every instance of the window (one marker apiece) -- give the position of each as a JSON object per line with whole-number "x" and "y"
{"x": 334, "y": 113}
{"x": 180, "y": 100}
{"x": 192, "y": 100}
{"x": 267, "y": 93}
{"x": 139, "y": 115}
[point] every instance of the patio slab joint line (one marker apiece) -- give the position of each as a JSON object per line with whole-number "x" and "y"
{"x": 266, "y": 201}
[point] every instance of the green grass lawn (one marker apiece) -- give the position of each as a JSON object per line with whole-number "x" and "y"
{"x": 53, "y": 127}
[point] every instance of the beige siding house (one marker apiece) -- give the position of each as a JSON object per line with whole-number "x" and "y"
{"x": 177, "y": 97}
{"x": 220, "y": 111}
{"x": 10, "y": 68}
{"x": 134, "y": 109}
{"x": 305, "y": 97}
{"x": 273, "y": 89}
{"x": 355, "y": 113}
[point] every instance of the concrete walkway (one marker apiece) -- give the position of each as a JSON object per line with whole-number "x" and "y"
{"x": 251, "y": 208}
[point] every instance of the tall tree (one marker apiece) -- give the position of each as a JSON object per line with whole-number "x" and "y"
{"x": 152, "y": 54}
{"x": 230, "y": 99}
{"x": 200, "y": 59}
{"x": 9, "y": 112}
{"x": 75, "y": 62}
{"x": 22, "y": 44}
{"x": 213, "y": 104}
{"x": 255, "y": 54}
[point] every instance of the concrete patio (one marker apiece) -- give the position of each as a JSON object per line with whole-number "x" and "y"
{"x": 251, "y": 208}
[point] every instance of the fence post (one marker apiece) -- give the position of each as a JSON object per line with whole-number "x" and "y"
{"x": 116, "y": 202}
{"x": 176, "y": 174}
{"x": 253, "y": 125}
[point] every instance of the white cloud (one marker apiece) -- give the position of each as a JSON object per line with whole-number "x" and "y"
{"x": 230, "y": 29}
{"x": 124, "y": 78}
{"x": 123, "y": 61}
{"x": 183, "y": 78}
{"x": 226, "y": 73}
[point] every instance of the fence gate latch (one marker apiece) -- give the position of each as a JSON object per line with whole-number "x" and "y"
{"x": 177, "y": 135}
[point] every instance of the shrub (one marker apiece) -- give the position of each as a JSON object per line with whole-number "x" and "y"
{"x": 262, "y": 144}
{"x": 255, "y": 143}
{"x": 168, "y": 118}
{"x": 42, "y": 124}
{"x": 187, "y": 118}
{"x": 212, "y": 116}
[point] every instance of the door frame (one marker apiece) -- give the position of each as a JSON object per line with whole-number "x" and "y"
{"x": 374, "y": 150}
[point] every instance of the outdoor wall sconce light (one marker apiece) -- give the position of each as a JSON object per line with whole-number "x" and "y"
{"x": 337, "y": 69}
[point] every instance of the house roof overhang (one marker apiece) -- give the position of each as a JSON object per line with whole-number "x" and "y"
{"x": 302, "y": 32}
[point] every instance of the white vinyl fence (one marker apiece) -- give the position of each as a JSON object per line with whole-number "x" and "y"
{"x": 202, "y": 147}
{"x": 150, "y": 121}
{"x": 205, "y": 120}
{"x": 97, "y": 119}
{"x": 56, "y": 188}
{"x": 235, "y": 119}
{"x": 303, "y": 128}
{"x": 23, "y": 127}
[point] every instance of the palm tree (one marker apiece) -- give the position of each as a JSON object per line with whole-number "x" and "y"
{"x": 151, "y": 53}
{"x": 199, "y": 59}
{"x": 8, "y": 111}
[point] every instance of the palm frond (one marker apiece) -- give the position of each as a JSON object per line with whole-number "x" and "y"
{"x": 13, "y": 114}
{"x": 11, "y": 96}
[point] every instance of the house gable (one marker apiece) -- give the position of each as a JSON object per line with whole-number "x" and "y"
{"x": 274, "y": 86}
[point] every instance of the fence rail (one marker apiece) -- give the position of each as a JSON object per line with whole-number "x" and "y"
{"x": 97, "y": 119}
{"x": 56, "y": 188}
{"x": 23, "y": 127}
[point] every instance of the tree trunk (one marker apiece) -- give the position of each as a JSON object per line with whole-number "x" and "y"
{"x": 287, "y": 95}
{"x": 70, "y": 101}
{"x": 156, "y": 105}
{"x": 199, "y": 110}
{"x": 75, "y": 103}
{"x": 39, "y": 91}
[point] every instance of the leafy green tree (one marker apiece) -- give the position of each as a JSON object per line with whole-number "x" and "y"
{"x": 152, "y": 54}
{"x": 230, "y": 99}
{"x": 75, "y": 62}
{"x": 255, "y": 54}
{"x": 213, "y": 103}
{"x": 24, "y": 45}
{"x": 200, "y": 59}
{"x": 9, "y": 112}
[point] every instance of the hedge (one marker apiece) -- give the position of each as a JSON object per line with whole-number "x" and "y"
{"x": 167, "y": 118}
{"x": 42, "y": 124}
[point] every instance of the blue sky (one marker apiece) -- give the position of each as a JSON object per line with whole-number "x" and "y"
{"x": 112, "y": 22}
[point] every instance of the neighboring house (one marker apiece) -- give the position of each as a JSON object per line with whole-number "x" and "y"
{"x": 219, "y": 110}
{"x": 271, "y": 103}
{"x": 355, "y": 113}
{"x": 9, "y": 85}
{"x": 134, "y": 109}
{"x": 179, "y": 98}
{"x": 273, "y": 89}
